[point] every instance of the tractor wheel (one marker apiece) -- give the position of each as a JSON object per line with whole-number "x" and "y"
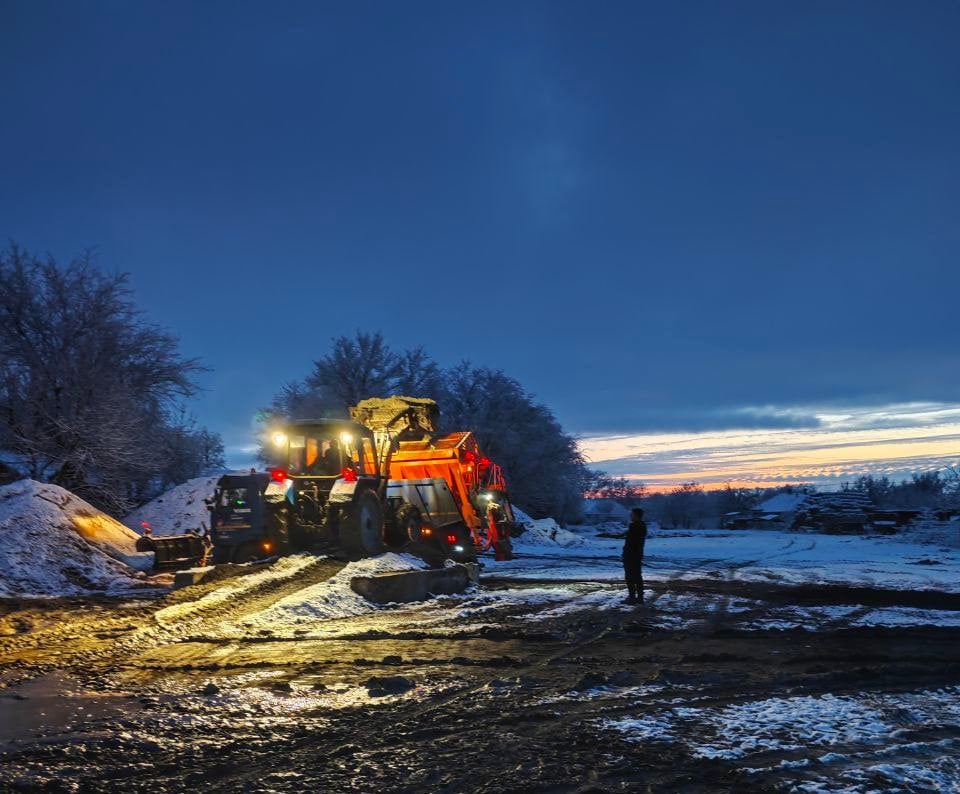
{"x": 396, "y": 529}
{"x": 361, "y": 527}
{"x": 411, "y": 523}
{"x": 247, "y": 552}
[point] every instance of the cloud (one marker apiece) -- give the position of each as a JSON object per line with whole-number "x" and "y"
{"x": 894, "y": 440}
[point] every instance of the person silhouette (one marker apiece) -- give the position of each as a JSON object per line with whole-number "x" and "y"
{"x": 633, "y": 546}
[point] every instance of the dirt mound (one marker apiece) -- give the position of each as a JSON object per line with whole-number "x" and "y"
{"x": 52, "y": 543}
{"x": 178, "y": 510}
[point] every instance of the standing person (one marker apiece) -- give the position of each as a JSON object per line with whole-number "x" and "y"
{"x": 633, "y": 556}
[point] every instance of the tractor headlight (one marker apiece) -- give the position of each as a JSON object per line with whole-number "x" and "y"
{"x": 346, "y": 439}
{"x": 279, "y": 439}
{"x": 487, "y": 496}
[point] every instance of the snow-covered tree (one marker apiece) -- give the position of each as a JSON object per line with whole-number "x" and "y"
{"x": 357, "y": 367}
{"x": 545, "y": 469}
{"x": 88, "y": 387}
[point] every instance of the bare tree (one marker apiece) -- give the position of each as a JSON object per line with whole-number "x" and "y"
{"x": 87, "y": 386}
{"x": 544, "y": 466}
{"x": 627, "y": 492}
{"x": 355, "y": 369}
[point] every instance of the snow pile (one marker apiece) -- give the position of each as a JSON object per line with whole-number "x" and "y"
{"x": 332, "y": 598}
{"x": 543, "y": 532}
{"x": 52, "y": 543}
{"x": 178, "y": 510}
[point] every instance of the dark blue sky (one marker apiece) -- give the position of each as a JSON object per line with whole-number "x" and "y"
{"x": 653, "y": 215}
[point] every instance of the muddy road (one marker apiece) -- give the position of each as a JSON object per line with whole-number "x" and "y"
{"x": 521, "y": 686}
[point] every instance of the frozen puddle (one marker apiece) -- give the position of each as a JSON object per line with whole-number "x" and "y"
{"x": 862, "y": 743}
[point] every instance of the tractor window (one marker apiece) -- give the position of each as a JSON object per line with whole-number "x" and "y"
{"x": 312, "y": 452}
{"x": 296, "y": 454}
{"x": 328, "y": 464}
{"x": 369, "y": 459}
{"x": 234, "y": 497}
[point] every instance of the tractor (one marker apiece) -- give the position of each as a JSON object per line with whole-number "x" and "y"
{"x": 331, "y": 491}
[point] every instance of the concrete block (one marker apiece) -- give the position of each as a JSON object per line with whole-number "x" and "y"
{"x": 191, "y": 576}
{"x": 405, "y": 586}
{"x": 473, "y": 572}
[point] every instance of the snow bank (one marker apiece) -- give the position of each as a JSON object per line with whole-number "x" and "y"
{"x": 542, "y": 533}
{"x": 52, "y": 543}
{"x": 332, "y": 598}
{"x": 178, "y": 510}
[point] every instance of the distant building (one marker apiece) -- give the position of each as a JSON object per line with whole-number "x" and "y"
{"x": 850, "y": 512}
{"x": 599, "y": 511}
{"x": 777, "y": 512}
{"x": 834, "y": 512}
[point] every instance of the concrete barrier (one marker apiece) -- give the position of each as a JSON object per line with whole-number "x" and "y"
{"x": 405, "y": 586}
{"x": 191, "y": 576}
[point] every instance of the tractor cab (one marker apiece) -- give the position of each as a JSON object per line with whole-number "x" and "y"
{"x": 323, "y": 451}
{"x": 237, "y": 518}
{"x": 327, "y": 484}
{"x": 325, "y": 448}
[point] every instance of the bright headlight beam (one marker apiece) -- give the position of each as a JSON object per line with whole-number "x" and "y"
{"x": 279, "y": 439}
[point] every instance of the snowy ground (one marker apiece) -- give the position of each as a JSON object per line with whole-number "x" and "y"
{"x": 724, "y": 680}
{"x": 749, "y": 556}
{"x": 867, "y": 742}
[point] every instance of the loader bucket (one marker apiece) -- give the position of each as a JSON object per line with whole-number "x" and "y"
{"x": 173, "y": 552}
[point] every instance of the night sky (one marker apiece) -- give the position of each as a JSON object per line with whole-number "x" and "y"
{"x": 660, "y": 218}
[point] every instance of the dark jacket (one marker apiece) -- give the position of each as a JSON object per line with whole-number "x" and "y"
{"x": 635, "y": 541}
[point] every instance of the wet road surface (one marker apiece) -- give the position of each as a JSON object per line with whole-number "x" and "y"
{"x": 538, "y": 686}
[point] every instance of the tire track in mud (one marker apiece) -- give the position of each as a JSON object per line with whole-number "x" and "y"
{"x": 85, "y": 643}
{"x": 200, "y": 619}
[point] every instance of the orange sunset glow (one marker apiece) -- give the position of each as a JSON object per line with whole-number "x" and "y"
{"x": 894, "y": 441}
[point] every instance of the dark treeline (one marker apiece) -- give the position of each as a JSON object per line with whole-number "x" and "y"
{"x": 543, "y": 464}
{"x": 690, "y": 506}
{"x": 686, "y": 506}
{"x": 927, "y": 490}
{"x": 90, "y": 392}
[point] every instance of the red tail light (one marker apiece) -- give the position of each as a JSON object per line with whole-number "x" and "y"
{"x": 469, "y": 457}
{"x": 484, "y": 461}
{"x": 349, "y": 475}
{"x": 278, "y": 475}
{"x": 451, "y": 539}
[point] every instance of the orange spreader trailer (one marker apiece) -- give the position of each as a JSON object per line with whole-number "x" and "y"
{"x": 456, "y": 457}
